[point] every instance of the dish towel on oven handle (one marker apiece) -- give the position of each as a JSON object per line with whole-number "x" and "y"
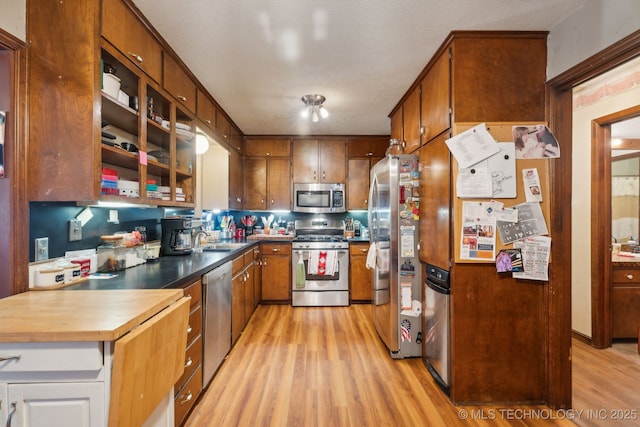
{"x": 314, "y": 260}
{"x": 331, "y": 266}
{"x": 371, "y": 256}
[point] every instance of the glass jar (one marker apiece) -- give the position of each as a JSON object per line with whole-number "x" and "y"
{"x": 395, "y": 147}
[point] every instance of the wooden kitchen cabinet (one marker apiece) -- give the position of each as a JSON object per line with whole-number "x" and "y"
{"x": 65, "y": 126}
{"x": 236, "y": 180}
{"x": 276, "y": 272}
{"x": 192, "y": 375}
{"x": 435, "y": 203}
{"x": 223, "y": 126}
{"x": 205, "y": 109}
{"x": 360, "y": 277}
{"x": 127, "y": 33}
{"x": 242, "y": 290}
{"x": 363, "y": 154}
{"x": 625, "y": 300}
{"x": 411, "y": 121}
{"x": 267, "y": 183}
{"x": 319, "y": 160}
{"x": 435, "y": 113}
{"x": 178, "y": 83}
{"x": 269, "y": 147}
{"x": 396, "y": 124}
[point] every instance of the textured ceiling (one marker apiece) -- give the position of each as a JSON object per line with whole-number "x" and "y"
{"x": 259, "y": 57}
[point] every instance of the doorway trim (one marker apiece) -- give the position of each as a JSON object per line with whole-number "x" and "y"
{"x": 601, "y": 310}
{"x": 560, "y": 118}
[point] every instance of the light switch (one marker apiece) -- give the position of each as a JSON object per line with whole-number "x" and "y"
{"x": 42, "y": 249}
{"x": 75, "y": 230}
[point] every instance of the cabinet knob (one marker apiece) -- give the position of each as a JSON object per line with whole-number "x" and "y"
{"x": 274, "y": 250}
{"x": 208, "y": 121}
{"x": 366, "y": 201}
{"x": 136, "y": 57}
{"x": 267, "y": 154}
{"x": 272, "y": 201}
{"x": 188, "y": 363}
{"x": 369, "y": 154}
{"x": 630, "y": 276}
{"x": 189, "y": 329}
{"x": 187, "y": 398}
{"x": 364, "y": 250}
{"x": 182, "y": 98}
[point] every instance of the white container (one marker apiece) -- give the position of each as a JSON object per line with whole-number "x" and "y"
{"x": 72, "y": 272}
{"x": 48, "y": 276}
{"x": 123, "y": 98}
{"x": 111, "y": 84}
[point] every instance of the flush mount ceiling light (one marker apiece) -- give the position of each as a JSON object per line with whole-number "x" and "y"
{"x": 314, "y": 108}
{"x": 202, "y": 143}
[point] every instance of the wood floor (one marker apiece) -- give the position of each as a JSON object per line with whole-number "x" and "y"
{"x": 327, "y": 367}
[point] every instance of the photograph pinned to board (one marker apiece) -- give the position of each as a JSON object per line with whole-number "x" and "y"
{"x": 531, "y": 183}
{"x": 3, "y": 121}
{"x": 535, "y": 142}
{"x": 509, "y": 260}
{"x": 472, "y": 146}
{"x": 530, "y": 223}
{"x": 493, "y": 177}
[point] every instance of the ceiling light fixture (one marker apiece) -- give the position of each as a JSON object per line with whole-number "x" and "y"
{"x": 314, "y": 108}
{"x": 202, "y": 143}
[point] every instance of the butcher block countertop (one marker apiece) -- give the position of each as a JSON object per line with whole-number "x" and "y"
{"x": 93, "y": 315}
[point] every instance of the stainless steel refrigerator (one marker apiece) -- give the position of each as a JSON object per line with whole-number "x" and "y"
{"x": 394, "y": 203}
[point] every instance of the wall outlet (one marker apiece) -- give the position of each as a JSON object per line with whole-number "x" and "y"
{"x": 75, "y": 230}
{"x": 42, "y": 249}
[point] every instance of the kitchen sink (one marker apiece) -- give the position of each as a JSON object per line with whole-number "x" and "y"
{"x": 222, "y": 247}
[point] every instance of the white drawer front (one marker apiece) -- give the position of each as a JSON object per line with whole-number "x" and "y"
{"x": 50, "y": 357}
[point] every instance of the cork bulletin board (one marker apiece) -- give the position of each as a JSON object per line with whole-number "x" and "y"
{"x": 501, "y": 132}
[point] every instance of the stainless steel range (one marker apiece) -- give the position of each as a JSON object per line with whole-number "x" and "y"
{"x": 320, "y": 264}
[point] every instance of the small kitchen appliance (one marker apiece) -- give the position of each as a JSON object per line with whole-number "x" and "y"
{"x": 176, "y": 236}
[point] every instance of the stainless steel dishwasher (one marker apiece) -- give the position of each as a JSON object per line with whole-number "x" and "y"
{"x": 217, "y": 315}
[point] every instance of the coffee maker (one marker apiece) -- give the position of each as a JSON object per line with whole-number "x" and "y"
{"x": 176, "y": 236}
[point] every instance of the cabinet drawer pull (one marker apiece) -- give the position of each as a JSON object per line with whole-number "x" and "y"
{"x": 189, "y": 329}
{"x": 188, "y": 363}
{"x": 187, "y": 398}
{"x": 136, "y": 57}
{"x": 182, "y": 98}
{"x": 364, "y": 250}
{"x": 16, "y": 358}
{"x": 208, "y": 122}
{"x": 11, "y": 412}
{"x": 630, "y": 276}
{"x": 275, "y": 250}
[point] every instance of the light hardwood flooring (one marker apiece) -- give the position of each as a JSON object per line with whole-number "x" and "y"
{"x": 606, "y": 384}
{"x": 327, "y": 367}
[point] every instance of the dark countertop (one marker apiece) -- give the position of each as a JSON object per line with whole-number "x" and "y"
{"x": 171, "y": 271}
{"x": 167, "y": 272}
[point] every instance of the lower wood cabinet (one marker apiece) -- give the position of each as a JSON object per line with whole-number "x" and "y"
{"x": 276, "y": 272}
{"x": 360, "y": 277}
{"x": 242, "y": 291}
{"x": 188, "y": 388}
{"x": 625, "y": 302}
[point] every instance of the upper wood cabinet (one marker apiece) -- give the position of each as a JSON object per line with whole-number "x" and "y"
{"x": 435, "y": 115}
{"x": 178, "y": 83}
{"x": 267, "y": 183}
{"x": 66, "y": 126}
{"x": 125, "y": 31}
{"x": 236, "y": 181}
{"x": 396, "y": 124}
{"x": 411, "y": 121}
{"x": 223, "y": 126}
{"x": 206, "y": 110}
{"x": 363, "y": 154}
{"x": 260, "y": 147}
{"x": 319, "y": 160}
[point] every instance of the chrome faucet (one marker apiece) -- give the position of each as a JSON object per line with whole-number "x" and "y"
{"x": 197, "y": 241}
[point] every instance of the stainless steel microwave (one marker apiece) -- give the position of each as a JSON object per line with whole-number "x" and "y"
{"x": 318, "y": 197}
